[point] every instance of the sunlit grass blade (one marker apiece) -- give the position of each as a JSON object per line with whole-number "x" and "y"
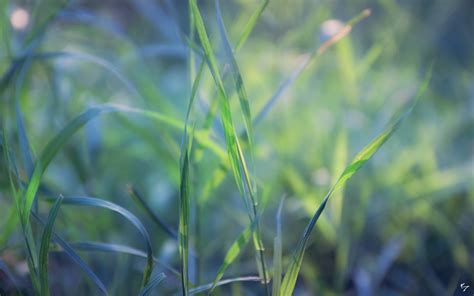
{"x": 239, "y": 84}
{"x": 144, "y": 206}
{"x": 234, "y": 150}
{"x": 251, "y": 24}
{"x": 44, "y": 246}
{"x": 234, "y": 251}
{"x": 100, "y": 203}
{"x": 359, "y": 160}
{"x": 116, "y": 248}
{"x": 204, "y": 288}
{"x": 74, "y": 257}
{"x": 152, "y": 284}
{"x": 277, "y": 253}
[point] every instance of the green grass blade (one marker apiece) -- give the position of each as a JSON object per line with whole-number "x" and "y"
{"x": 184, "y": 203}
{"x": 138, "y": 199}
{"x": 315, "y": 54}
{"x": 206, "y": 287}
{"x": 50, "y": 151}
{"x": 234, "y": 251}
{"x": 154, "y": 281}
{"x": 100, "y": 203}
{"x": 116, "y": 248}
{"x": 44, "y": 247}
{"x": 277, "y": 254}
{"x": 251, "y": 24}
{"x": 74, "y": 257}
{"x": 359, "y": 160}
{"x": 226, "y": 116}
{"x": 239, "y": 85}
{"x": 234, "y": 151}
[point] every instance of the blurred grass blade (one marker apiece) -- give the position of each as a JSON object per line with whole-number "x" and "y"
{"x": 184, "y": 203}
{"x": 50, "y": 151}
{"x": 204, "y": 288}
{"x": 44, "y": 247}
{"x": 239, "y": 85}
{"x": 318, "y": 51}
{"x": 154, "y": 281}
{"x": 100, "y": 203}
{"x": 72, "y": 254}
{"x": 138, "y": 199}
{"x": 9, "y": 275}
{"x": 23, "y": 141}
{"x": 251, "y": 24}
{"x": 359, "y": 160}
{"x": 277, "y": 253}
{"x": 116, "y": 248}
{"x": 234, "y": 251}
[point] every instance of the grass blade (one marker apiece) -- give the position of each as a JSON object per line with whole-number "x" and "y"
{"x": 154, "y": 281}
{"x": 359, "y": 160}
{"x": 204, "y": 288}
{"x": 44, "y": 247}
{"x": 251, "y": 24}
{"x": 138, "y": 199}
{"x": 234, "y": 151}
{"x": 184, "y": 203}
{"x": 317, "y": 52}
{"x": 277, "y": 253}
{"x": 74, "y": 257}
{"x": 50, "y": 151}
{"x": 100, "y": 203}
{"x": 116, "y": 248}
{"x": 234, "y": 250}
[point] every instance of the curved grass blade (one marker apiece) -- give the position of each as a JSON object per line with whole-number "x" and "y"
{"x": 50, "y": 151}
{"x": 154, "y": 281}
{"x": 44, "y": 247}
{"x": 116, "y": 248}
{"x": 72, "y": 254}
{"x": 204, "y": 288}
{"x": 72, "y": 127}
{"x": 138, "y": 199}
{"x": 234, "y": 250}
{"x": 100, "y": 203}
{"x": 359, "y": 160}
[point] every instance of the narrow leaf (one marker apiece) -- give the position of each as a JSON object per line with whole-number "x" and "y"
{"x": 154, "y": 281}
{"x": 360, "y": 159}
{"x": 44, "y": 247}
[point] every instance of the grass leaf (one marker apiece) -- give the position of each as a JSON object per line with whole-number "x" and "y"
{"x": 138, "y": 199}
{"x": 74, "y": 257}
{"x": 154, "y": 281}
{"x": 100, "y": 203}
{"x": 44, "y": 247}
{"x": 234, "y": 251}
{"x": 277, "y": 253}
{"x": 206, "y": 287}
{"x": 359, "y": 160}
{"x": 116, "y": 248}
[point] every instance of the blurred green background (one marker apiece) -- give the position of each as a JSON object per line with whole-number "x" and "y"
{"x": 402, "y": 226}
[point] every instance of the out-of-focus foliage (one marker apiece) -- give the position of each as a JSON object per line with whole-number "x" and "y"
{"x": 401, "y": 226}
